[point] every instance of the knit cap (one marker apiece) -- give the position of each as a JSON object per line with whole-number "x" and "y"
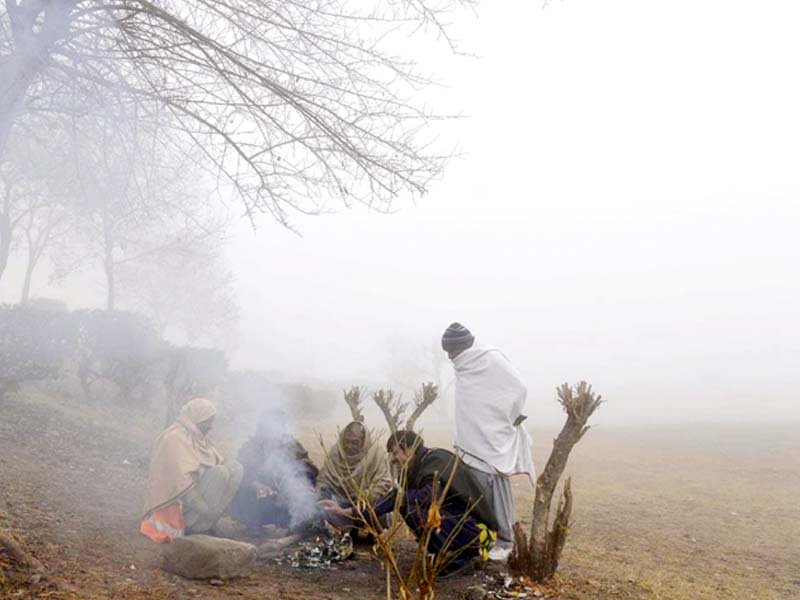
{"x": 456, "y": 336}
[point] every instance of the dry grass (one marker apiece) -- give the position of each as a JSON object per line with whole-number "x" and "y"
{"x": 691, "y": 513}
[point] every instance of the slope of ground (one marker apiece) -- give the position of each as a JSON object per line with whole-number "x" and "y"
{"x": 685, "y": 514}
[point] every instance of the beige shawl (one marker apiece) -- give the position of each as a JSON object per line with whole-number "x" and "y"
{"x": 366, "y": 476}
{"x": 179, "y": 453}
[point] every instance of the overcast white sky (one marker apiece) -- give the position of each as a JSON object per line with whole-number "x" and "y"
{"x": 626, "y": 211}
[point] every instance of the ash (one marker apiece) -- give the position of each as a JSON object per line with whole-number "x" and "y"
{"x": 505, "y": 587}
{"x": 321, "y": 553}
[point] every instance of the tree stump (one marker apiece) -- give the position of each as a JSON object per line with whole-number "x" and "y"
{"x": 538, "y": 556}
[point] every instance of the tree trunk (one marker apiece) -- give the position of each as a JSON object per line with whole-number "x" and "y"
{"x": 5, "y": 240}
{"x": 16, "y": 76}
{"x": 538, "y": 558}
{"x": 26, "y": 285}
{"x": 110, "y": 291}
{"x": 29, "y": 268}
{"x": 35, "y": 28}
{"x": 108, "y": 261}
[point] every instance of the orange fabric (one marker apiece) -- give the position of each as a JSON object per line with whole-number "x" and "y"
{"x": 163, "y": 525}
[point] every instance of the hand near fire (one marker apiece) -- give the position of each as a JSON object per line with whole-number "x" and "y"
{"x": 335, "y": 513}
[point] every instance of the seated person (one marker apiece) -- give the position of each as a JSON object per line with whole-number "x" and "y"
{"x": 464, "y": 511}
{"x": 279, "y": 478}
{"x": 190, "y": 485}
{"x": 355, "y": 468}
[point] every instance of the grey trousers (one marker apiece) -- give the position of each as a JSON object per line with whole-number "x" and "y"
{"x": 498, "y": 493}
{"x": 204, "y": 504}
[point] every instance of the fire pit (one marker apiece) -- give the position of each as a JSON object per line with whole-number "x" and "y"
{"x": 504, "y": 587}
{"x": 322, "y": 553}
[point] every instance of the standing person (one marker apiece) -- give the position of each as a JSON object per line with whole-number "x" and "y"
{"x": 489, "y": 437}
{"x": 190, "y": 485}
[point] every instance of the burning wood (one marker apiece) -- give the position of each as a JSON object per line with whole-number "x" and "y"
{"x": 506, "y": 587}
{"x": 322, "y": 553}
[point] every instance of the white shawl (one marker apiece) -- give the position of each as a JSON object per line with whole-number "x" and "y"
{"x": 490, "y": 395}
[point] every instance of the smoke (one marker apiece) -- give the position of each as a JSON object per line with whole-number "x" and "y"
{"x": 274, "y": 456}
{"x": 284, "y": 467}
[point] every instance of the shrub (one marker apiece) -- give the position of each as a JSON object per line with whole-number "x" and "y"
{"x": 33, "y": 345}
{"x": 119, "y": 347}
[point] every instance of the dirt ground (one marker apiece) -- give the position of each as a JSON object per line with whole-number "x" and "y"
{"x": 694, "y": 512}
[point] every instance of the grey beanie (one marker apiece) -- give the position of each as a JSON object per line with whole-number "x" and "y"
{"x": 456, "y": 336}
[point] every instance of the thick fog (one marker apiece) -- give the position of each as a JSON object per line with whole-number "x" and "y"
{"x": 626, "y": 211}
{"x": 623, "y": 209}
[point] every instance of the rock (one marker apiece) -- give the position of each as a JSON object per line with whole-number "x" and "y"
{"x": 271, "y": 548}
{"x": 206, "y": 557}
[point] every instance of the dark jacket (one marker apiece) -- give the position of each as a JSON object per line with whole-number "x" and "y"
{"x": 429, "y": 465}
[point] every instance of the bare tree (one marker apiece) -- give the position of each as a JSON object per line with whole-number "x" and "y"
{"x": 538, "y": 558}
{"x": 423, "y": 398}
{"x": 142, "y": 205}
{"x": 43, "y": 226}
{"x": 32, "y": 213}
{"x": 291, "y": 102}
{"x": 10, "y": 216}
{"x": 187, "y": 294}
{"x": 354, "y": 399}
{"x": 392, "y": 407}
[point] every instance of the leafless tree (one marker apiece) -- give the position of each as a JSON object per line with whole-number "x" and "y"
{"x": 392, "y": 407}
{"x": 187, "y": 294}
{"x": 139, "y": 204}
{"x": 44, "y": 226}
{"x": 354, "y": 399}
{"x": 10, "y": 214}
{"x": 423, "y": 398}
{"x": 291, "y": 102}
{"x": 538, "y": 558}
{"x": 32, "y": 213}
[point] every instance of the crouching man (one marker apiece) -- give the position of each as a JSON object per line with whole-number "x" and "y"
{"x": 464, "y": 511}
{"x": 190, "y": 484}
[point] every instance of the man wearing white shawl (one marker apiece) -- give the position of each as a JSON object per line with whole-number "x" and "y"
{"x": 489, "y": 437}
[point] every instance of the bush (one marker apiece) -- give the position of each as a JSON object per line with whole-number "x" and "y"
{"x": 119, "y": 347}
{"x": 47, "y": 304}
{"x": 33, "y": 345}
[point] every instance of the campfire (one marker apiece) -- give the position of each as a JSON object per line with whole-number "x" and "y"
{"x": 322, "y": 553}
{"x": 505, "y": 587}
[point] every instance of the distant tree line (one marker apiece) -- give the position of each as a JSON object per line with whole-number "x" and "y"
{"x": 119, "y": 357}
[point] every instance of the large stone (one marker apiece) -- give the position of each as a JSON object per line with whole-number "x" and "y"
{"x": 207, "y": 557}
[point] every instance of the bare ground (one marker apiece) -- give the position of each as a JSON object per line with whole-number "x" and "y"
{"x": 700, "y": 512}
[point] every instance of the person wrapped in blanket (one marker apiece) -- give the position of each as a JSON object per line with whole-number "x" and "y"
{"x": 355, "y": 468}
{"x": 190, "y": 485}
{"x": 279, "y": 477}
{"x": 468, "y": 524}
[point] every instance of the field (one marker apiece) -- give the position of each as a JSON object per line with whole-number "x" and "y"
{"x": 692, "y": 512}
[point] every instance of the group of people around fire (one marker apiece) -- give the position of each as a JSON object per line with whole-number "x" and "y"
{"x": 191, "y": 486}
